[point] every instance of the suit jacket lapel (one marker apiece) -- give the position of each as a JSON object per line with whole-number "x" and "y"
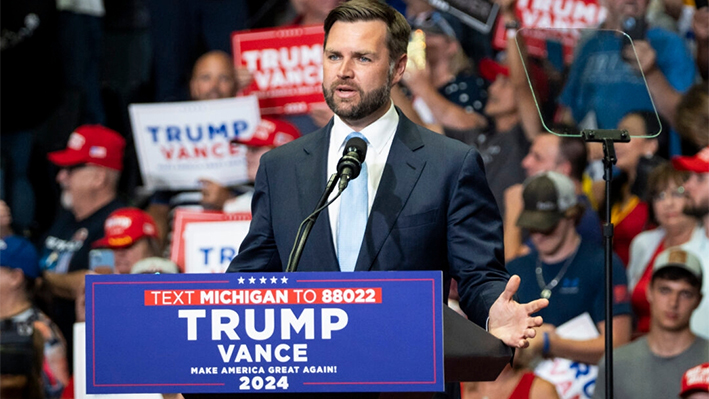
{"x": 311, "y": 172}
{"x": 402, "y": 171}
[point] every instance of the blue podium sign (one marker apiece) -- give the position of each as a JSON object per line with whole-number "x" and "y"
{"x": 265, "y": 332}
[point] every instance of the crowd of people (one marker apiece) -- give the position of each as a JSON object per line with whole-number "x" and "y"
{"x": 70, "y": 180}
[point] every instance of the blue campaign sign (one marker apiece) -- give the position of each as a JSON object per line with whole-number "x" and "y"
{"x": 265, "y": 332}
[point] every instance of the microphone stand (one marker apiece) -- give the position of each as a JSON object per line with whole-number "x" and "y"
{"x": 608, "y": 137}
{"x": 307, "y": 224}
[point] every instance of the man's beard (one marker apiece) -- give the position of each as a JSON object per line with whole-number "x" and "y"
{"x": 697, "y": 211}
{"x": 368, "y": 104}
{"x": 66, "y": 200}
{"x": 213, "y": 94}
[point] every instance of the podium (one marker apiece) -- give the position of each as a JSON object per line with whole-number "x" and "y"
{"x": 372, "y": 332}
{"x": 470, "y": 354}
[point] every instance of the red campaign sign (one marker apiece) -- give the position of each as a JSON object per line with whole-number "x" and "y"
{"x": 286, "y": 64}
{"x": 552, "y": 20}
{"x": 183, "y": 217}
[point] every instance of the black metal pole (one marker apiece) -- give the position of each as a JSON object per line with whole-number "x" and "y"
{"x": 608, "y": 137}
{"x": 608, "y": 161}
{"x": 307, "y": 225}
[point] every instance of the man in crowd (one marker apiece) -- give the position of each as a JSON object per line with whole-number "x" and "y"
{"x": 213, "y": 77}
{"x": 269, "y": 134}
{"x": 421, "y": 201}
{"x": 697, "y": 188}
{"x": 652, "y": 366}
{"x": 604, "y": 84}
{"x": 90, "y": 167}
{"x": 551, "y": 153}
{"x": 566, "y": 269}
{"x": 513, "y": 120}
{"x": 132, "y": 236}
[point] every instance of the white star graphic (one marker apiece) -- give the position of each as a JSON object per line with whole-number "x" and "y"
{"x": 274, "y": 280}
{"x": 241, "y": 280}
{"x": 252, "y": 280}
{"x": 284, "y": 279}
{"x": 263, "y": 280}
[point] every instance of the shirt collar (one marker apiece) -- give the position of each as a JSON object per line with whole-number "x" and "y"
{"x": 378, "y": 133}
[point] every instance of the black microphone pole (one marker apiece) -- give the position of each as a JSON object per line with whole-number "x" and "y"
{"x": 307, "y": 225}
{"x": 348, "y": 167}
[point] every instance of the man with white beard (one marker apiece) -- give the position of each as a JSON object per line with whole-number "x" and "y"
{"x": 697, "y": 189}
{"x": 90, "y": 167}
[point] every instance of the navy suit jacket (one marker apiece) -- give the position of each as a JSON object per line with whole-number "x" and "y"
{"x": 433, "y": 210}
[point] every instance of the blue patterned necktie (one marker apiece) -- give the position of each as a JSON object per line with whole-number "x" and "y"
{"x": 354, "y": 211}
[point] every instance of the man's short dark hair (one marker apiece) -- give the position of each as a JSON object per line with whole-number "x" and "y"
{"x": 398, "y": 30}
{"x": 573, "y": 149}
{"x": 674, "y": 273}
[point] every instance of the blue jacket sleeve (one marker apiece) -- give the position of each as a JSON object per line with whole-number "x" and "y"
{"x": 475, "y": 249}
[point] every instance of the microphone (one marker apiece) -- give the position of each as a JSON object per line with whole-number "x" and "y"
{"x": 349, "y": 166}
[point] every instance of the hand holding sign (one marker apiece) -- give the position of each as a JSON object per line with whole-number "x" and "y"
{"x": 511, "y": 321}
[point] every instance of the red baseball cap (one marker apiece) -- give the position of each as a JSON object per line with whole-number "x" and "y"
{"x": 125, "y": 226}
{"x": 697, "y": 164}
{"x": 695, "y": 379}
{"x": 93, "y": 144}
{"x": 271, "y": 132}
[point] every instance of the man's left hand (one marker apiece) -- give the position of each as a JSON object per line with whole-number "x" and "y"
{"x": 512, "y": 322}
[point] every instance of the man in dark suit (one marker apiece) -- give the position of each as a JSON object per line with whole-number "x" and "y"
{"x": 429, "y": 205}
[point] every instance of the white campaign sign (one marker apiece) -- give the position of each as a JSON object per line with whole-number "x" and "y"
{"x": 573, "y": 380}
{"x": 180, "y": 143}
{"x": 210, "y": 246}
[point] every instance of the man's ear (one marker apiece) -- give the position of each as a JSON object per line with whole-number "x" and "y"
{"x": 564, "y": 168}
{"x": 399, "y": 69}
{"x": 16, "y": 277}
{"x": 698, "y": 302}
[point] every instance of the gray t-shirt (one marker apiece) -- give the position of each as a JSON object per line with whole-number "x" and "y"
{"x": 639, "y": 373}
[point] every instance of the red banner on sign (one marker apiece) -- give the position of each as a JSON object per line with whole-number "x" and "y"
{"x": 552, "y": 21}
{"x": 286, "y": 64}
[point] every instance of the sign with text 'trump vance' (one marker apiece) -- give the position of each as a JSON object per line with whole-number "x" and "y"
{"x": 264, "y": 332}
{"x": 286, "y": 64}
{"x": 180, "y": 143}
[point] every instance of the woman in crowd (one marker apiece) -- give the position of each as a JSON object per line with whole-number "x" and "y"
{"x": 667, "y": 200}
{"x": 629, "y": 213}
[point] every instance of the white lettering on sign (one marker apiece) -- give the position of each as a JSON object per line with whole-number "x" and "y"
{"x": 225, "y": 322}
{"x": 283, "y": 57}
{"x": 566, "y": 14}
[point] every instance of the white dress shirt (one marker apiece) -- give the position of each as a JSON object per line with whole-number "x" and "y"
{"x": 379, "y": 135}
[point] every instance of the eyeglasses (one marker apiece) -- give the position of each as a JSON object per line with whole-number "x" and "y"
{"x": 677, "y": 193}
